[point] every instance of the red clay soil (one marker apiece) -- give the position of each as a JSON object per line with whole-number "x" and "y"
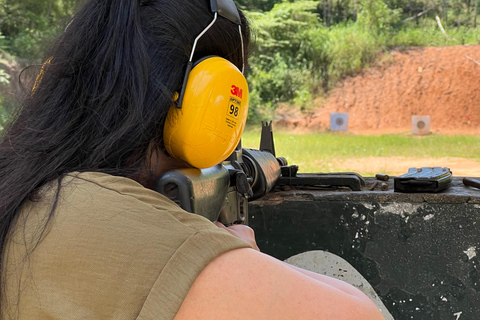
{"x": 443, "y": 83}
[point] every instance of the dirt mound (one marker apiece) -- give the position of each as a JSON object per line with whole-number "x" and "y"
{"x": 443, "y": 83}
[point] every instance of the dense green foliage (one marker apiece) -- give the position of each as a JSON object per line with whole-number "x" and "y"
{"x": 304, "y": 47}
{"x": 289, "y": 59}
{"x": 301, "y": 49}
{"x": 256, "y": 5}
{"x": 26, "y": 24}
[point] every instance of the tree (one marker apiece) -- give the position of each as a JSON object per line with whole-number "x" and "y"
{"x": 256, "y": 5}
{"x": 288, "y": 59}
{"x": 376, "y": 15}
{"x": 25, "y": 24}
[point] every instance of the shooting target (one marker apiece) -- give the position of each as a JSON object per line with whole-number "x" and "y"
{"x": 339, "y": 121}
{"x": 421, "y": 125}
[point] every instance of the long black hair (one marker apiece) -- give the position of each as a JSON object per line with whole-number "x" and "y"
{"x": 104, "y": 96}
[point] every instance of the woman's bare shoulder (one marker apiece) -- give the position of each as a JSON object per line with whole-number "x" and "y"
{"x": 246, "y": 284}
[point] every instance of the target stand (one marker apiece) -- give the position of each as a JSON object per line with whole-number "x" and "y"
{"x": 421, "y": 125}
{"x": 339, "y": 121}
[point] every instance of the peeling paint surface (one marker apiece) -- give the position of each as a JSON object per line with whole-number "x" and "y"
{"x": 368, "y": 205}
{"x": 399, "y": 208}
{"x": 428, "y": 217}
{"x": 471, "y": 253}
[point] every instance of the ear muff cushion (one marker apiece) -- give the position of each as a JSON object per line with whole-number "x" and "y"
{"x": 210, "y": 123}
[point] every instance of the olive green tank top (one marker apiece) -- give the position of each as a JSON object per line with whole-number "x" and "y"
{"x": 112, "y": 250}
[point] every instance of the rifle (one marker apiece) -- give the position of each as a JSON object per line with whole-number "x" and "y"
{"x": 221, "y": 193}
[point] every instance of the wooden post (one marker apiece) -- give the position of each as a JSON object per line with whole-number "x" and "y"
{"x": 440, "y": 26}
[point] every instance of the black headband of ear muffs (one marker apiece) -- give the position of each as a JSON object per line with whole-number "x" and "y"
{"x": 226, "y": 9}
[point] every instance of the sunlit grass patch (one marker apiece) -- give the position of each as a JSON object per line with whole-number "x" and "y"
{"x": 367, "y": 155}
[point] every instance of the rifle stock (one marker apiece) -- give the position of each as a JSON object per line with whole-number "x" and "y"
{"x": 222, "y": 192}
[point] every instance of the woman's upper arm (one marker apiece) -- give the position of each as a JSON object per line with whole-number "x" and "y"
{"x": 246, "y": 284}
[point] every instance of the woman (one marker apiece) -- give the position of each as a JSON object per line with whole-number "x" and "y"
{"x": 83, "y": 234}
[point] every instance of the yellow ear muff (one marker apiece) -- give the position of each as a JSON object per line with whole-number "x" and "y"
{"x": 209, "y": 124}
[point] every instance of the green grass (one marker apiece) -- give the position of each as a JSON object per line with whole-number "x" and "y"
{"x": 431, "y": 36}
{"x": 325, "y": 152}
